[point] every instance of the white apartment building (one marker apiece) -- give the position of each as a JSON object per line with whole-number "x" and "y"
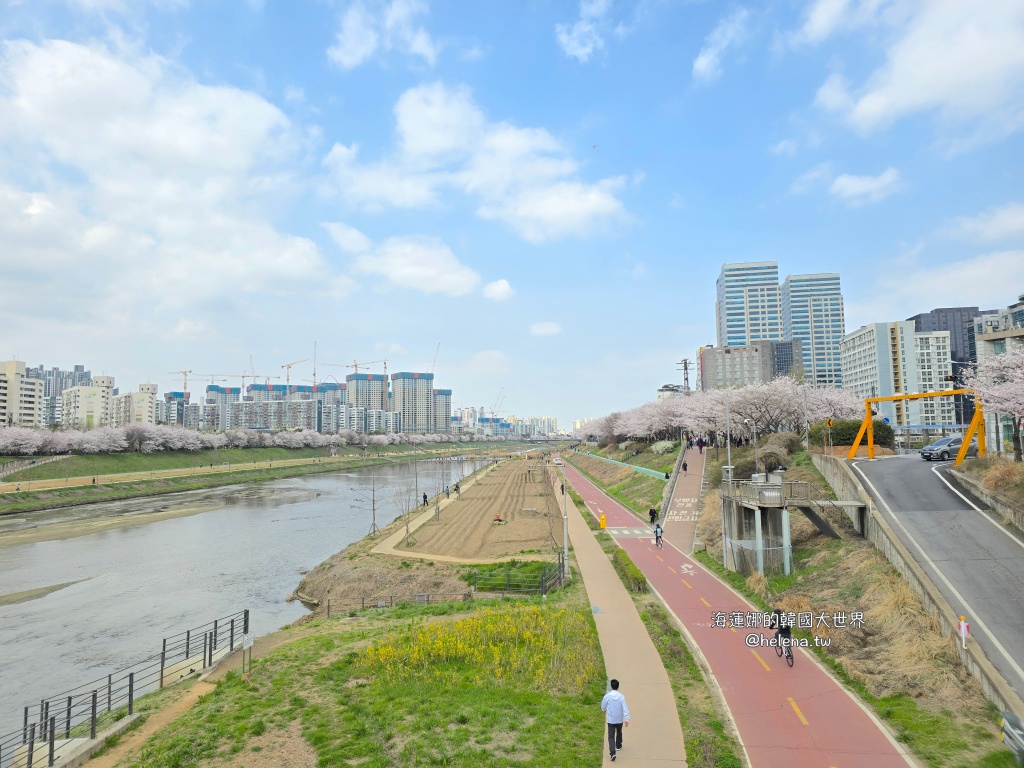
{"x": 134, "y": 407}
{"x": 367, "y": 390}
{"x": 222, "y": 397}
{"x": 412, "y": 396}
{"x": 88, "y": 407}
{"x": 21, "y": 398}
{"x": 885, "y": 359}
{"x": 442, "y": 411}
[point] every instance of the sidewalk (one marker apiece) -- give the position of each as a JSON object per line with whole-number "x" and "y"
{"x": 798, "y": 717}
{"x": 682, "y": 507}
{"x": 654, "y": 735}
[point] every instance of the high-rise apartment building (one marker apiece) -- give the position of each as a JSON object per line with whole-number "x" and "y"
{"x": 222, "y": 397}
{"x": 21, "y": 397}
{"x": 884, "y": 359}
{"x": 55, "y": 381}
{"x": 812, "y": 313}
{"x": 87, "y": 407}
{"x": 442, "y": 411}
{"x": 367, "y": 390}
{"x": 134, "y": 407}
{"x": 748, "y": 307}
{"x": 412, "y": 395}
{"x": 756, "y": 363}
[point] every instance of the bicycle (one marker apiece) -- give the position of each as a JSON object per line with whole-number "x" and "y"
{"x": 659, "y": 542}
{"x": 784, "y": 648}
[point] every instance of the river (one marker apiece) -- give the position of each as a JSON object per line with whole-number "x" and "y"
{"x": 137, "y": 583}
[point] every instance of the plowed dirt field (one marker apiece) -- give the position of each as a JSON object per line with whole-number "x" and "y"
{"x": 519, "y": 491}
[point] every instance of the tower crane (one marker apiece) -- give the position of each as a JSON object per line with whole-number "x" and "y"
{"x": 355, "y": 365}
{"x": 184, "y": 375}
{"x": 288, "y": 375}
{"x": 435, "y": 357}
{"x": 497, "y": 401}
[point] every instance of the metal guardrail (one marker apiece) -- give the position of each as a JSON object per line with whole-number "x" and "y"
{"x": 71, "y": 718}
{"x": 788, "y": 493}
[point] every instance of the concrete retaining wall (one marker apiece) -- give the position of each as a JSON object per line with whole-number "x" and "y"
{"x": 846, "y": 484}
{"x": 972, "y": 486}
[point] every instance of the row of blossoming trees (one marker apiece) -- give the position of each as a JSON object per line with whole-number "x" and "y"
{"x": 149, "y": 438}
{"x": 778, "y": 405}
{"x": 786, "y": 404}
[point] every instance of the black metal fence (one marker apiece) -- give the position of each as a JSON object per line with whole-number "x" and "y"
{"x": 60, "y": 724}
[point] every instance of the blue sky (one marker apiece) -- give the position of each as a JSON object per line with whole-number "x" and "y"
{"x": 546, "y": 189}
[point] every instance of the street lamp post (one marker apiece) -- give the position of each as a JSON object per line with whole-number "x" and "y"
{"x": 753, "y": 426}
{"x": 565, "y": 528}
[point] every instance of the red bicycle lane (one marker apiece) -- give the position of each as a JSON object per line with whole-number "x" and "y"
{"x": 786, "y": 717}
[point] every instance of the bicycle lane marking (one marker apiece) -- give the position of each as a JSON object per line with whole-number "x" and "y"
{"x": 839, "y": 729}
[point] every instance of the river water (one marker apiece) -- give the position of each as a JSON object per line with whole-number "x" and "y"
{"x": 138, "y": 584}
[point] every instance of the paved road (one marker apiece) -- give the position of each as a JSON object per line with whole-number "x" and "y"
{"x": 786, "y": 718}
{"x": 974, "y": 560}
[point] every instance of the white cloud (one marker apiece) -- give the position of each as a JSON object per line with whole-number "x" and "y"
{"x": 731, "y": 30}
{"x": 857, "y": 190}
{"x": 499, "y": 290}
{"x": 116, "y": 161}
{"x": 370, "y": 27}
{"x": 923, "y": 283}
{"x": 811, "y": 178}
{"x": 519, "y": 176}
{"x": 545, "y": 329}
{"x": 784, "y": 147}
{"x": 833, "y": 94}
{"x": 420, "y": 263}
{"x": 584, "y": 37}
{"x": 961, "y": 60}
{"x": 825, "y": 18}
{"x": 349, "y": 239}
{"x": 1006, "y": 221}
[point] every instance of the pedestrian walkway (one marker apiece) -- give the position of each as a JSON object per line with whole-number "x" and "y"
{"x": 681, "y": 516}
{"x": 798, "y": 717}
{"x": 654, "y": 736}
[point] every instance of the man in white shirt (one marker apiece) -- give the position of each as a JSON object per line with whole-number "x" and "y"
{"x": 614, "y": 704}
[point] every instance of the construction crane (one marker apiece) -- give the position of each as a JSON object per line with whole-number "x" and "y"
{"x": 435, "y": 357}
{"x": 355, "y": 365}
{"x": 184, "y": 375}
{"x": 213, "y": 377}
{"x": 288, "y": 375}
{"x": 497, "y": 401}
{"x": 243, "y": 376}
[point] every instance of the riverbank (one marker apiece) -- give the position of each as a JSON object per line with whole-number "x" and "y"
{"x": 16, "y": 498}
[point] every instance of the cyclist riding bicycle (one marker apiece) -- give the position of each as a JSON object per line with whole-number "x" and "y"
{"x": 783, "y": 631}
{"x": 657, "y": 534}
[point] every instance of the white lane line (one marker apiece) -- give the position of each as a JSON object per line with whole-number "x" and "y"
{"x": 1000, "y": 528}
{"x": 977, "y": 618}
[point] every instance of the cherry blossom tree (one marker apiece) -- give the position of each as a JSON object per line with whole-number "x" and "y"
{"x": 999, "y": 382}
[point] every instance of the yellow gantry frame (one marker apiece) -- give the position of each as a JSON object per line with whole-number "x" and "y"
{"x": 975, "y": 428}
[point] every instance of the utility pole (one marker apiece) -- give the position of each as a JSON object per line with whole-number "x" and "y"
{"x": 565, "y": 529}
{"x": 684, "y": 366}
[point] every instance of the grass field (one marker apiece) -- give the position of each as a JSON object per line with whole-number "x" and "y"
{"x": 637, "y": 491}
{"x": 115, "y": 463}
{"x": 664, "y": 462}
{"x": 484, "y": 686}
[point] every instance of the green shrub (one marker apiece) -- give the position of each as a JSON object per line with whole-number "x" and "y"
{"x": 844, "y": 432}
{"x": 631, "y": 576}
{"x": 742, "y": 469}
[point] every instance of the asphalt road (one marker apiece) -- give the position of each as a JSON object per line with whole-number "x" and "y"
{"x": 975, "y": 561}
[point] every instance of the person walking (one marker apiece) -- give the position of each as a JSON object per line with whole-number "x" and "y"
{"x": 617, "y": 716}
{"x": 424, "y": 499}
{"x": 446, "y": 494}
{"x": 684, "y": 469}
{"x": 653, "y": 513}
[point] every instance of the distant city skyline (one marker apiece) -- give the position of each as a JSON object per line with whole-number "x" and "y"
{"x": 546, "y": 189}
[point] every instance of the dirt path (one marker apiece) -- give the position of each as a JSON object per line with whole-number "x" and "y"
{"x": 158, "y": 720}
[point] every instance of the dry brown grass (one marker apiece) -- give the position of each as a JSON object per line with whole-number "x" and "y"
{"x": 607, "y": 474}
{"x": 1002, "y": 475}
{"x": 709, "y": 525}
